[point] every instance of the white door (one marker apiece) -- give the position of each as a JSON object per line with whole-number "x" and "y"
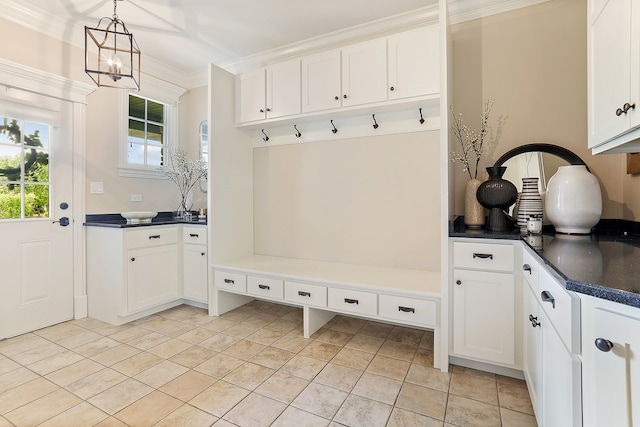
{"x": 36, "y": 249}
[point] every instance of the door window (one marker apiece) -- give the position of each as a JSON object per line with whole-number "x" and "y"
{"x": 24, "y": 169}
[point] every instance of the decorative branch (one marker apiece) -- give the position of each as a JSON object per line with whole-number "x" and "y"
{"x": 471, "y": 142}
{"x": 185, "y": 173}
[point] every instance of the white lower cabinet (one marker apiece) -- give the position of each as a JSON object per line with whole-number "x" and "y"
{"x": 611, "y": 363}
{"x": 484, "y": 305}
{"x": 552, "y": 367}
{"x": 195, "y": 263}
{"x": 152, "y": 277}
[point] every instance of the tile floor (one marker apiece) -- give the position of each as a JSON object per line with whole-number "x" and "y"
{"x": 250, "y": 367}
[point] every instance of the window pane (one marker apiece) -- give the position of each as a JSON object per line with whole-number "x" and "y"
{"x": 136, "y": 130}
{"x": 154, "y": 134}
{"x": 36, "y": 135}
{"x": 36, "y": 166}
{"x": 154, "y": 156}
{"x": 136, "y": 107}
{"x": 9, "y": 201}
{"x": 36, "y": 201}
{"x": 10, "y": 163}
{"x": 9, "y": 131}
{"x": 135, "y": 154}
{"x": 155, "y": 112}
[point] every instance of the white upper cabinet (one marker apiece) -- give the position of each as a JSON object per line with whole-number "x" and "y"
{"x": 414, "y": 63}
{"x": 364, "y": 73}
{"x": 614, "y": 75}
{"x": 321, "y": 89}
{"x": 270, "y": 92}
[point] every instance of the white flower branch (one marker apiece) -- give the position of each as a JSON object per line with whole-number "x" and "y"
{"x": 185, "y": 173}
{"x": 471, "y": 142}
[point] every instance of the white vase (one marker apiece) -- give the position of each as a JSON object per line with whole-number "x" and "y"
{"x": 574, "y": 202}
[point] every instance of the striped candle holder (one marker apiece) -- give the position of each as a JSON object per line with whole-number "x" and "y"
{"x": 530, "y": 202}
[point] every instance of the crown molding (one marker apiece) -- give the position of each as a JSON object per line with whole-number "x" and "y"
{"x": 468, "y": 10}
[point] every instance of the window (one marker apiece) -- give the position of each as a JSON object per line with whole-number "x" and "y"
{"x": 146, "y": 136}
{"x": 24, "y": 169}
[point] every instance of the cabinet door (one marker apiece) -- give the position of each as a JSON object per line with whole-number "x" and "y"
{"x": 364, "y": 73}
{"x": 152, "y": 277}
{"x": 414, "y": 63}
{"x": 609, "y": 70}
{"x": 484, "y": 316}
{"x": 611, "y": 379}
{"x": 283, "y": 89}
{"x": 561, "y": 383}
{"x": 195, "y": 272}
{"x": 532, "y": 352}
{"x": 321, "y": 89}
{"x": 252, "y": 96}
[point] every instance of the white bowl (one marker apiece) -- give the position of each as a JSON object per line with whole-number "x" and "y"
{"x": 138, "y": 217}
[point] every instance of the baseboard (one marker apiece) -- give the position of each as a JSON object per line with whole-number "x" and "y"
{"x": 487, "y": 367}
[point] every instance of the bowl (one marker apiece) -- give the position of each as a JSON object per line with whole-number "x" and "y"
{"x": 138, "y": 217}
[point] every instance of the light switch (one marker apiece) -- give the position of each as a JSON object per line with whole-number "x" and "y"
{"x": 96, "y": 187}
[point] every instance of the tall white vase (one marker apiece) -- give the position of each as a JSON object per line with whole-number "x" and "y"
{"x": 574, "y": 201}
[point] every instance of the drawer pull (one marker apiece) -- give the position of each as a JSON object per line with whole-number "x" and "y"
{"x": 406, "y": 309}
{"x": 482, "y": 256}
{"x": 154, "y": 236}
{"x": 527, "y": 267}
{"x": 351, "y": 301}
{"x": 603, "y": 344}
{"x": 265, "y": 287}
{"x": 229, "y": 281}
{"x": 304, "y": 294}
{"x": 194, "y": 235}
{"x": 547, "y": 297}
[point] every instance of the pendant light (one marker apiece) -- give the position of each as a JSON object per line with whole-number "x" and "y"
{"x": 111, "y": 54}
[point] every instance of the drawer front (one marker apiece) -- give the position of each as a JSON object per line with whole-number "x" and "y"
{"x": 194, "y": 235}
{"x": 483, "y": 256}
{"x": 559, "y": 307}
{"x": 151, "y": 236}
{"x": 353, "y": 301}
{"x": 530, "y": 269}
{"x": 231, "y": 281}
{"x": 412, "y": 310}
{"x": 265, "y": 287}
{"x": 306, "y": 294}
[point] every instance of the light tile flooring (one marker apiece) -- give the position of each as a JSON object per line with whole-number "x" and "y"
{"x": 250, "y": 367}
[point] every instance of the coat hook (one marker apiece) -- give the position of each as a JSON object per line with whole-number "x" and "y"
{"x": 421, "y": 118}
{"x": 298, "y": 134}
{"x": 375, "y": 124}
{"x": 266, "y": 138}
{"x": 334, "y": 130}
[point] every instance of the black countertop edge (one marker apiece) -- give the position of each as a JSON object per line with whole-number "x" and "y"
{"x": 117, "y": 221}
{"x": 615, "y": 295}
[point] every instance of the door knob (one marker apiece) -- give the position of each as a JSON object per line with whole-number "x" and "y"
{"x": 64, "y": 221}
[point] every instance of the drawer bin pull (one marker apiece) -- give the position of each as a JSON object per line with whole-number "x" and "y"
{"x": 304, "y": 294}
{"x": 406, "y": 309}
{"x": 547, "y": 297}
{"x": 265, "y": 287}
{"x": 603, "y": 344}
{"x": 193, "y": 235}
{"x": 527, "y": 267}
{"x": 155, "y": 236}
{"x": 351, "y": 301}
{"x": 229, "y": 281}
{"x": 482, "y": 256}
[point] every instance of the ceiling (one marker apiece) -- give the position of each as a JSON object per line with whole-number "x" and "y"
{"x": 187, "y": 35}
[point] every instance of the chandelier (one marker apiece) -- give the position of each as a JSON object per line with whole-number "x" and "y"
{"x": 111, "y": 54}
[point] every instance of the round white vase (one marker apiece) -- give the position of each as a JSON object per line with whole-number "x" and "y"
{"x": 573, "y": 201}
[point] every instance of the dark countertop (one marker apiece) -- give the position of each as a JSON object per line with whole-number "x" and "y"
{"x": 605, "y": 264}
{"x": 117, "y": 221}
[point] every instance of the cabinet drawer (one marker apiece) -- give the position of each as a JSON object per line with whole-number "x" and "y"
{"x": 231, "y": 281}
{"x": 194, "y": 235}
{"x": 304, "y": 293}
{"x": 353, "y": 301}
{"x": 530, "y": 269}
{"x": 265, "y": 287}
{"x": 563, "y": 310}
{"x": 483, "y": 256}
{"x": 408, "y": 309}
{"x": 151, "y": 236}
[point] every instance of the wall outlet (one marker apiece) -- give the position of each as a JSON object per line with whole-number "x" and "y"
{"x": 136, "y": 198}
{"x": 96, "y": 187}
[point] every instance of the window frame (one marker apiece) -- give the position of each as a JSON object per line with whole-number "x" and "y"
{"x": 158, "y": 91}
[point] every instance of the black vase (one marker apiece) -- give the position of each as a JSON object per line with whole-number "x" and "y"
{"x": 497, "y": 194}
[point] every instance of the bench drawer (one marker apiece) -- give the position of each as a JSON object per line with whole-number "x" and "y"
{"x": 306, "y": 294}
{"x": 411, "y": 310}
{"x": 265, "y": 287}
{"x": 353, "y": 301}
{"x": 231, "y": 281}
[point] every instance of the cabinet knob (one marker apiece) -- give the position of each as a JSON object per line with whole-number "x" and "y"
{"x": 603, "y": 344}
{"x": 268, "y": 109}
{"x": 534, "y": 320}
{"x": 344, "y": 96}
{"x": 337, "y": 98}
{"x": 625, "y": 108}
{"x": 392, "y": 88}
{"x": 262, "y": 110}
{"x": 527, "y": 267}
{"x": 458, "y": 282}
{"x": 133, "y": 259}
{"x": 202, "y": 253}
